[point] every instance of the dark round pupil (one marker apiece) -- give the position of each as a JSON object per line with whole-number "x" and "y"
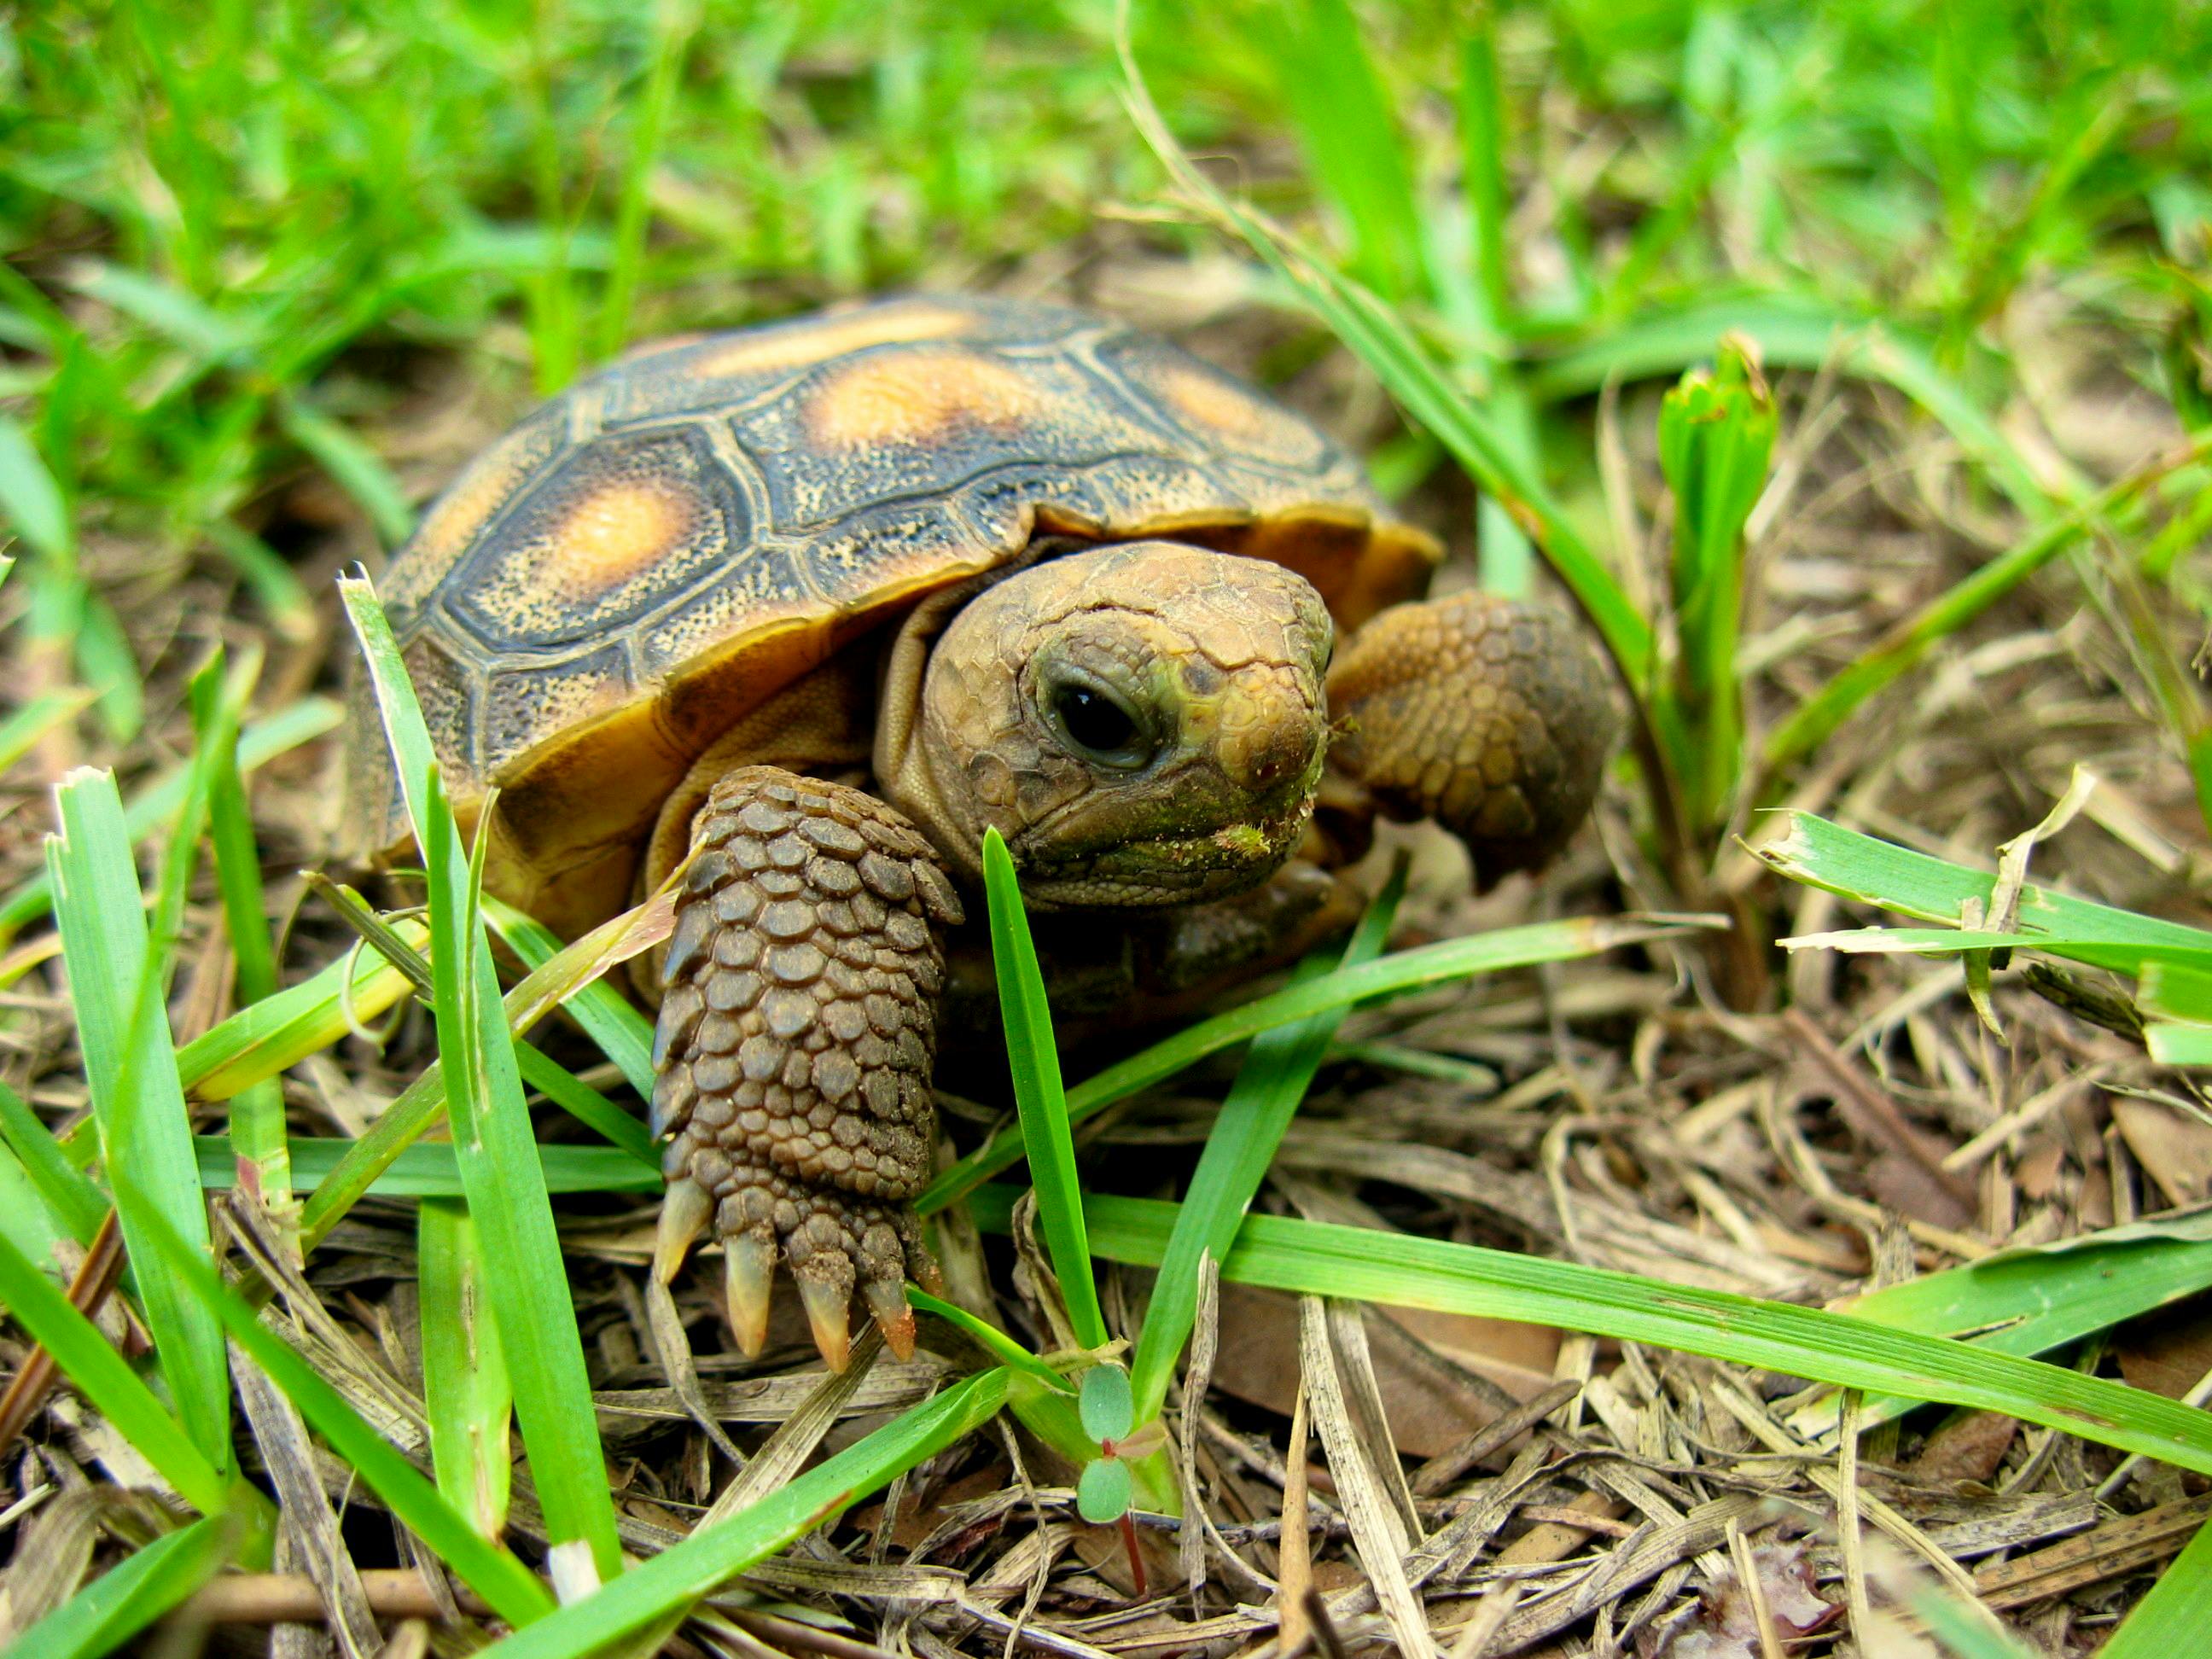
{"x": 1096, "y": 722}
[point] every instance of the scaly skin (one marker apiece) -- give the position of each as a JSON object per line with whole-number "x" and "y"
{"x": 1489, "y": 716}
{"x": 796, "y": 1039}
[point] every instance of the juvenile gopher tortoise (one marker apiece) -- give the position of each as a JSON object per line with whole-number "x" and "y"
{"x": 816, "y": 604}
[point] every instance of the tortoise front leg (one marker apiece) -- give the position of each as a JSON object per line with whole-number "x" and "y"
{"x": 1489, "y": 716}
{"x": 797, "y": 1036}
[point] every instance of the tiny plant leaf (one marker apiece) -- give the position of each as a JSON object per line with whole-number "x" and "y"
{"x": 1103, "y": 1492}
{"x": 1108, "y": 1408}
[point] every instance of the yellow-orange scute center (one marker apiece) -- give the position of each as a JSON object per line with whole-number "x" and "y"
{"x": 610, "y": 536}
{"x": 917, "y": 398}
{"x": 795, "y": 348}
{"x": 1211, "y": 405}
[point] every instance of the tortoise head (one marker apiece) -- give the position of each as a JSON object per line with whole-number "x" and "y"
{"x": 1144, "y": 723}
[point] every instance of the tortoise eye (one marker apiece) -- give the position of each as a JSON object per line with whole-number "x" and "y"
{"x": 1098, "y": 726}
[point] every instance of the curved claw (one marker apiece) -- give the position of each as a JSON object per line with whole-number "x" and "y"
{"x": 887, "y": 1301}
{"x": 828, "y": 1305}
{"x": 684, "y": 1212}
{"x": 748, "y": 1278}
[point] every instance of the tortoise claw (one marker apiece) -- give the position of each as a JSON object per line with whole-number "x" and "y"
{"x": 887, "y": 1301}
{"x": 828, "y": 1305}
{"x": 748, "y": 1278}
{"x": 684, "y": 1212}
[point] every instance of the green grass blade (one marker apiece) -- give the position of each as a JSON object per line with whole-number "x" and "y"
{"x": 26, "y": 1220}
{"x": 428, "y": 1169}
{"x": 466, "y": 1388}
{"x": 1278, "y": 1070}
{"x": 1903, "y": 645}
{"x": 78, "y": 1205}
{"x": 524, "y": 1276}
{"x": 2031, "y": 1301}
{"x": 154, "y": 805}
{"x": 1812, "y": 850}
{"x": 1968, "y": 1631}
{"x": 30, "y": 498}
{"x": 257, "y": 1114}
{"x": 1482, "y": 147}
{"x": 1381, "y": 339}
{"x": 107, "y": 1382}
{"x": 23, "y": 730}
{"x": 676, "y": 1577}
{"x": 558, "y": 979}
{"x": 674, "y": 21}
{"x": 116, "y": 981}
{"x": 2173, "y": 1617}
{"x": 488, "y": 1568}
{"x": 1794, "y": 331}
{"x": 990, "y": 1339}
{"x": 1397, "y": 1269}
{"x": 353, "y": 466}
{"x": 1406, "y": 970}
{"x": 1335, "y": 97}
{"x": 124, "y": 1600}
{"x": 624, "y": 1033}
{"x": 1034, "y": 1058}
{"x": 586, "y": 1104}
{"x": 268, "y": 1036}
{"x": 1716, "y": 429}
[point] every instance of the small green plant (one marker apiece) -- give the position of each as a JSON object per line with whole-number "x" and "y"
{"x": 1979, "y": 916}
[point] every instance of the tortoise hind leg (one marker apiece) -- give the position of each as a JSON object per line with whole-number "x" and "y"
{"x": 795, "y": 1043}
{"x": 1489, "y": 716}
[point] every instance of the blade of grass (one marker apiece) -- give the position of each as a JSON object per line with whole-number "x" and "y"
{"x": 488, "y": 1568}
{"x": 1813, "y": 720}
{"x": 156, "y": 802}
{"x": 466, "y": 1393}
{"x": 116, "y": 981}
{"x": 624, "y": 1034}
{"x": 1405, "y": 970}
{"x": 108, "y": 1384}
{"x": 680, "y": 1575}
{"x": 1965, "y": 1629}
{"x": 1793, "y": 332}
{"x": 257, "y": 1116}
{"x": 23, "y": 730}
{"x": 78, "y": 1205}
{"x": 1716, "y": 431}
{"x": 1278, "y": 1070}
{"x": 674, "y": 21}
{"x": 1034, "y": 1058}
{"x": 428, "y": 1169}
{"x": 560, "y": 977}
{"x": 1400, "y": 1270}
{"x": 353, "y": 466}
{"x": 121, "y": 1603}
{"x": 1482, "y": 145}
{"x": 1334, "y": 94}
{"x": 1812, "y": 850}
{"x": 993, "y": 1340}
{"x": 277, "y": 1032}
{"x": 524, "y": 1276}
{"x": 26, "y": 1220}
{"x": 1381, "y": 340}
{"x": 2031, "y": 1301}
{"x": 2171, "y": 1618}
{"x": 32, "y": 500}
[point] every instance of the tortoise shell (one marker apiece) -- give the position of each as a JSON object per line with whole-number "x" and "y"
{"x": 651, "y": 555}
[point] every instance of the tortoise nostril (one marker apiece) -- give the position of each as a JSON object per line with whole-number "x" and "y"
{"x": 1272, "y": 753}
